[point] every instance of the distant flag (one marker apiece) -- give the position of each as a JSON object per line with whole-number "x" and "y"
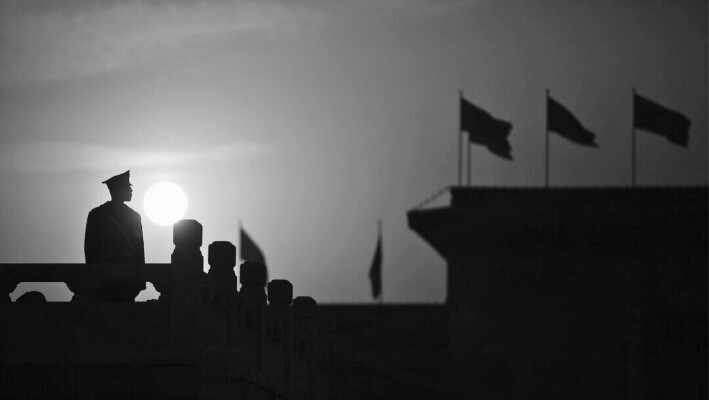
{"x": 560, "y": 120}
{"x": 249, "y": 250}
{"x": 484, "y": 129}
{"x": 375, "y": 270}
{"x": 655, "y": 118}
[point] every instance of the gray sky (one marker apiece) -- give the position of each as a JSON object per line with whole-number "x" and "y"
{"x": 310, "y": 120}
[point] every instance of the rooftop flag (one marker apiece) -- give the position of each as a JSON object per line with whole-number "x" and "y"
{"x": 560, "y": 120}
{"x": 249, "y": 250}
{"x": 657, "y": 119}
{"x": 375, "y": 270}
{"x": 484, "y": 129}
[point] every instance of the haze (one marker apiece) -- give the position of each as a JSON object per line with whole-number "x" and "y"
{"x": 310, "y": 120}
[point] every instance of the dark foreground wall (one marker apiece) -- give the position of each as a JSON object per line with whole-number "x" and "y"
{"x": 561, "y": 293}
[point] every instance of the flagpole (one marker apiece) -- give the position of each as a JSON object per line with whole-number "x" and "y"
{"x": 460, "y": 139}
{"x": 468, "y": 146}
{"x": 381, "y": 294}
{"x": 633, "y": 139}
{"x": 468, "y": 163}
{"x": 546, "y": 163}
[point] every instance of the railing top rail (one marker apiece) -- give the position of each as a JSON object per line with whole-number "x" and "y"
{"x": 62, "y": 272}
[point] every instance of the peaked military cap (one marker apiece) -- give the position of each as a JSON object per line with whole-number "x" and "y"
{"x": 119, "y": 179}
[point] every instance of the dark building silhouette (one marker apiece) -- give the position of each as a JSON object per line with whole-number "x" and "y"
{"x": 559, "y": 293}
{"x": 574, "y": 292}
{"x": 552, "y": 293}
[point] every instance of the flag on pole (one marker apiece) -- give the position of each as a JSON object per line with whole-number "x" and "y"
{"x": 375, "y": 270}
{"x": 655, "y": 118}
{"x": 249, "y": 250}
{"x": 560, "y": 120}
{"x": 484, "y": 129}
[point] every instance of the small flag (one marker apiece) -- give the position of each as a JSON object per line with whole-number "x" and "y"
{"x": 655, "y": 118}
{"x": 249, "y": 250}
{"x": 560, "y": 120}
{"x": 375, "y": 270}
{"x": 486, "y": 130}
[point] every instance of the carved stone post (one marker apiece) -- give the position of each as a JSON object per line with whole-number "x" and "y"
{"x": 304, "y": 309}
{"x": 186, "y": 287}
{"x": 221, "y": 364}
{"x": 280, "y": 293}
{"x": 280, "y": 296}
{"x": 253, "y": 280}
{"x": 222, "y": 259}
{"x": 304, "y": 312}
{"x": 221, "y": 293}
{"x": 253, "y": 298}
{"x": 187, "y": 237}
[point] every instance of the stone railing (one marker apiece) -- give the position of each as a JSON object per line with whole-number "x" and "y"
{"x": 257, "y": 339}
{"x": 85, "y": 280}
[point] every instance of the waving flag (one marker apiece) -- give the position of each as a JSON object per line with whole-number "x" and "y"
{"x": 375, "y": 270}
{"x": 560, "y": 120}
{"x": 249, "y": 250}
{"x": 486, "y": 130}
{"x": 655, "y": 118}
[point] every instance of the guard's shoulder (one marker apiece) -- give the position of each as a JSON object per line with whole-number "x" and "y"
{"x": 132, "y": 212}
{"x": 102, "y": 209}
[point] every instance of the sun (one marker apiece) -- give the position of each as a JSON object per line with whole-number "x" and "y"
{"x": 165, "y": 203}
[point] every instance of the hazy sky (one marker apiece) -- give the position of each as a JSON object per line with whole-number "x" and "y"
{"x": 310, "y": 120}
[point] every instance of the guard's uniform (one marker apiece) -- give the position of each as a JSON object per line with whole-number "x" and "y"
{"x": 114, "y": 234}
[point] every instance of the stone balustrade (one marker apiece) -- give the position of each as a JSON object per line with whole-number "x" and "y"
{"x": 253, "y": 340}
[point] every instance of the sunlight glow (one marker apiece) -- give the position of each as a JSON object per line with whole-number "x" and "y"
{"x": 165, "y": 203}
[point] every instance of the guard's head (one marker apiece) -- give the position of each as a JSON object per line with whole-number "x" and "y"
{"x": 120, "y": 187}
